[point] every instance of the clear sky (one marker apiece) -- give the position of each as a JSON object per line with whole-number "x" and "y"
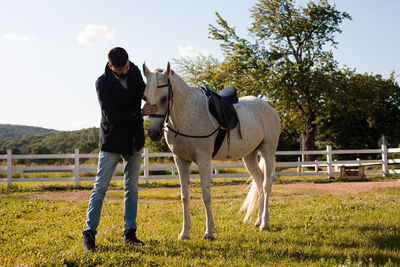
{"x": 52, "y": 51}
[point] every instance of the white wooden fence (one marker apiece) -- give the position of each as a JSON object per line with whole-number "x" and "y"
{"x": 328, "y": 167}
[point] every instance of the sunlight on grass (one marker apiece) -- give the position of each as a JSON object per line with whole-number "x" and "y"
{"x": 349, "y": 230}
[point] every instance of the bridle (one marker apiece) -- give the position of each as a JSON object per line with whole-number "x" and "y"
{"x": 169, "y": 99}
{"x": 166, "y": 115}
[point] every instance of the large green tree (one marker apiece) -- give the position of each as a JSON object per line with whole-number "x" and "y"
{"x": 361, "y": 109}
{"x": 287, "y": 60}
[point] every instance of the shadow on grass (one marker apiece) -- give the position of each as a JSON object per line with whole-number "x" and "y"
{"x": 391, "y": 242}
{"x": 307, "y": 249}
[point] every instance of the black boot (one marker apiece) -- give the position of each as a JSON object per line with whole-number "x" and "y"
{"x": 89, "y": 240}
{"x": 130, "y": 238}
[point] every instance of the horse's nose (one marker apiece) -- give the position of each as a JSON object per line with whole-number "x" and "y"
{"x": 155, "y": 135}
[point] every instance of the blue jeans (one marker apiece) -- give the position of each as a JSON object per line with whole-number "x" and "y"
{"x": 107, "y": 163}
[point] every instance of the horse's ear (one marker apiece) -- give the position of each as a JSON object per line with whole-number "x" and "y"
{"x": 167, "y": 71}
{"x": 146, "y": 71}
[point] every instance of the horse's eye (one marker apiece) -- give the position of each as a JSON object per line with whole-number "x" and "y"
{"x": 165, "y": 98}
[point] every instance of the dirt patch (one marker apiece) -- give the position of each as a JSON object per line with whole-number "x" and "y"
{"x": 73, "y": 196}
{"x": 341, "y": 188}
{"x": 311, "y": 188}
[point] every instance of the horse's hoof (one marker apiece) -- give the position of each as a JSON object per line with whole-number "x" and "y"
{"x": 264, "y": 228}
{"x": 257, "y": 224}
{"x": 208, "y": 236}
{"x": 183, "y": 237}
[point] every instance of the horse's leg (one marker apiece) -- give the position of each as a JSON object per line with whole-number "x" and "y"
{"x": 268, "y": 153}
{"x": 184, "y": 176}
{"x": 204, "y": 164}
{"x": 251, "y": 163}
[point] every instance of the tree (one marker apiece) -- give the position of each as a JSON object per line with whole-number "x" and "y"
{"x": 39, "y": 149}
{"x": 361, "y": 109}
{"x": 287, "y": 62}
{"x": 202, "y": 70}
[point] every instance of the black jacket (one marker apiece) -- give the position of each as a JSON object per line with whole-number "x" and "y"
{"x": 121, "y": 126}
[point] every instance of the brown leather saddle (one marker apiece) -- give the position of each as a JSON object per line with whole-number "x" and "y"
{"x": 221, "y": 107}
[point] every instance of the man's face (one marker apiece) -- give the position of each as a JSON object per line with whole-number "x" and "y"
{"x": 120, "y": 72}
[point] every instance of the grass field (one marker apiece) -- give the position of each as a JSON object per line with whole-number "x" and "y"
{"x": 318, "y": 230}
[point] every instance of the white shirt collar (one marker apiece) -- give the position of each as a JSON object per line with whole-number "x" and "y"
{"x": 123, "y": 81}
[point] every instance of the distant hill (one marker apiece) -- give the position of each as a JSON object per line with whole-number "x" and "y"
{"x": 58, "y": 142}
{"x": 53, "y": 142}
{"x": 8, "y": 131}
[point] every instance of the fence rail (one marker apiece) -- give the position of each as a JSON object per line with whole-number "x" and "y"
{"x": 328, "y": 167}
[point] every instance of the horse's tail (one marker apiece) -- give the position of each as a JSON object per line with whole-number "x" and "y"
{"x": 252, "y": 199}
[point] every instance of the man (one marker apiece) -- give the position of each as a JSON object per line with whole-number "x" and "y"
{"x": 120, "y": 92}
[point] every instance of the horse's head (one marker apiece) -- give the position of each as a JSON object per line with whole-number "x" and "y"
{"x": 157, "y": 92}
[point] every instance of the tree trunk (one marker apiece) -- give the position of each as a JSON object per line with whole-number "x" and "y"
{"x": 309, "y": 138}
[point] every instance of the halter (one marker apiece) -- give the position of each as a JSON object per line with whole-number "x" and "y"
{"x": 170, "y": 101}
{"x": 166, "y": 115}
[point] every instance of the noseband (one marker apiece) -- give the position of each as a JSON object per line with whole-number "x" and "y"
{"x": 169, "y": 99}
{"x": 166, "y": 115}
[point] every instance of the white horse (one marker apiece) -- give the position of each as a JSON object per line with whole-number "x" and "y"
{"x": 184, "y": 109}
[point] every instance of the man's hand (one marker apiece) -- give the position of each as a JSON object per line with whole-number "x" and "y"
{"x": 149, "y": 109}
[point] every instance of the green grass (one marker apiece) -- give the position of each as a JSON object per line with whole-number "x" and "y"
{"x": 349, "y": 230}
{"x": 168, "y": 183}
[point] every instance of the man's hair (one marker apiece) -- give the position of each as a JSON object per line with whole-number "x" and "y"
{"x": 118, "y": 57}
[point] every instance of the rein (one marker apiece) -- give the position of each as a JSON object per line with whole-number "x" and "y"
{"x": 166, "y": 115}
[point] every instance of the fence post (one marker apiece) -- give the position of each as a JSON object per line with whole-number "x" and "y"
{"x": 216, "y": 173}
{"x": 9, "y": 168}
{"x": 384, "y": 160}
{"x": 76, "y": 167}
{"x": 302, "y": 142}
{"x": 329, "y": 160}
{"x": 298, "y": 164}
{"x": 146, "y": 165}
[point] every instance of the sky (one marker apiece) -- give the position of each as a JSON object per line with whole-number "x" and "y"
{"x": 52, "y": 51}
